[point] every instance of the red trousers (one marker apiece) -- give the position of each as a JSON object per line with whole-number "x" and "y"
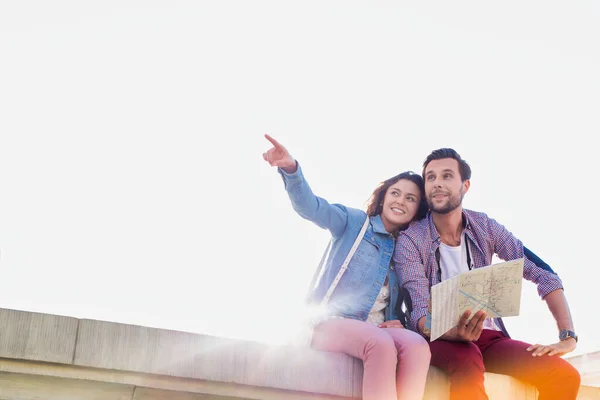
{"x": 465, "y": 363}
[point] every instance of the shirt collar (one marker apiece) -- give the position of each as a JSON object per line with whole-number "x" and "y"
{"x": 435, "y": 236}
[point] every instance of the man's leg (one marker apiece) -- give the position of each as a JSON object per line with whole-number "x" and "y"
{"x": 463, "y": 362}
{"x": 554, "y": 377}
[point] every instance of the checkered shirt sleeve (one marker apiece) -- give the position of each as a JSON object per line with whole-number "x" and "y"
{"x": 508, "y": 247}
{"x": 410, "y": 270}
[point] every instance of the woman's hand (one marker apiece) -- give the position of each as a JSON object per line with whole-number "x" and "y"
{"x": 392, "y": 324}
{"x": 278, "y": 156}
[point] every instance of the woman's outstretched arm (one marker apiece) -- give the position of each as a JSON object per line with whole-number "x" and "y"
{"x": 313, "y": 208}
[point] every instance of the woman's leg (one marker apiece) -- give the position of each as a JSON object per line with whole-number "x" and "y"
{"x": 413, "y": 362}
{"x": 369, "y": 343}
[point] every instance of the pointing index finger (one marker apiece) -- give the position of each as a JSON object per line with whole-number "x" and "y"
{"x": 273, "y": 141}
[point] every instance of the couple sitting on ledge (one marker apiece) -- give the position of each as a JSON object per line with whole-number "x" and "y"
{"x": 414, "y": 234}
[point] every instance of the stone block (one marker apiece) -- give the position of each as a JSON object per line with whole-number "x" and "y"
{"x": 588, "y": 393}
{"x": 35, "y": 387}
{"x": 142, "y": 393}
{"x": 35, "y": 336}
{"x": 158, "y": 351}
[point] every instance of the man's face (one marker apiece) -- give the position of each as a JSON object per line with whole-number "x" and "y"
{"x": 443, "y": 186}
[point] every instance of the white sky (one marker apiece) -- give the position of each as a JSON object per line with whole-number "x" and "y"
{"x": 132, "y": 187}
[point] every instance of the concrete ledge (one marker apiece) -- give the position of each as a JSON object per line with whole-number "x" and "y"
{"x": 74, "y": 378}
{"x": 29, "y": 387}
{"x": 153, "y": 383}
{"x": 157, "y": 351}
{"x": 148, "y": 363}
{"x": 142, "y": 393}
{"x": 34, "y": 336}
{"x": 588, "y": 366}
{"x": 588, "y": 393}
{"x": 163, "y": 352}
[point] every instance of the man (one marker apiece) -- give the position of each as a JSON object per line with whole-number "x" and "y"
{"x": 452, "y": 240}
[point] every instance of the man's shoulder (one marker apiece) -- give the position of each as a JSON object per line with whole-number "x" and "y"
{"x": 482, "y": 225}
{"x": 476, "y": 214}
{"x": 477, "y": 218}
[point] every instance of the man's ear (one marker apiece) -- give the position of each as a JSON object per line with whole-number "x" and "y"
{"x": 466, "y": 185}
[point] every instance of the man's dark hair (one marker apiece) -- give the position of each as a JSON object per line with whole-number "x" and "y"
{"x": 463, "y": 167}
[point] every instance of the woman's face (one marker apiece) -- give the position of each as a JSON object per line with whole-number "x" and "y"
{"x": 400, "y": 205}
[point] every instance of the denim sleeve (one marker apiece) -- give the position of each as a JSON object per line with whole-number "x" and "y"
{"x": 508, "y": 247}
{"x": 313, "y": 208}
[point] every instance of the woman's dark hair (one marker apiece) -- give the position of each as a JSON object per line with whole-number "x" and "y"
{"x": 375, "y": 202}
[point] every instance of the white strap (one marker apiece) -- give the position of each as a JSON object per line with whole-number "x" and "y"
{"x": 344, "y": 266}
{"x": 317, "y": 272}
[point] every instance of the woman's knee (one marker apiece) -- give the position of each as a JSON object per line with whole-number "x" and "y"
{"x": 378, "y": 344}
{"x": 421, "y": 348}
{"x": 412, "y": 344}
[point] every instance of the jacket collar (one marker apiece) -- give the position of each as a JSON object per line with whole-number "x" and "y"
{"x": 377, "y": 225}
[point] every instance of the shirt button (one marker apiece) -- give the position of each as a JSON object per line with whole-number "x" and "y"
{"x": 392, "y": 267}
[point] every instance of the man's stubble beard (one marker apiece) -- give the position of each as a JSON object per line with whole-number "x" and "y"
{"x": 452, "y": 204}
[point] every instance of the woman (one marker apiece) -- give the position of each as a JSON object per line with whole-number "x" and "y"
{"x": 364, "y": 305}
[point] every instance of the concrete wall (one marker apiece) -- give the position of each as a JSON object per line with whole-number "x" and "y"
{"x": 54, "y": 357}
{"x": 588, "y": 366}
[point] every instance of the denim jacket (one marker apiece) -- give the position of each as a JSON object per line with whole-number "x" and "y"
{"x": 360, "y": 285}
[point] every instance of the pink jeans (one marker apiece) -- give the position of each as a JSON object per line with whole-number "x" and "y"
{"x": 395, "y": 360}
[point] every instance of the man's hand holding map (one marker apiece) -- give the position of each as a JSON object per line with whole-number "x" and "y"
{"x": 495, "y": 289}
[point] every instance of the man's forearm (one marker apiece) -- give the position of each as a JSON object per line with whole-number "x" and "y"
{"x": 557, "y": 303}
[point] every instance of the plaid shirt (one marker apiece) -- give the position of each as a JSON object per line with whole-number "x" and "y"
{"x": 417, "y": 268}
